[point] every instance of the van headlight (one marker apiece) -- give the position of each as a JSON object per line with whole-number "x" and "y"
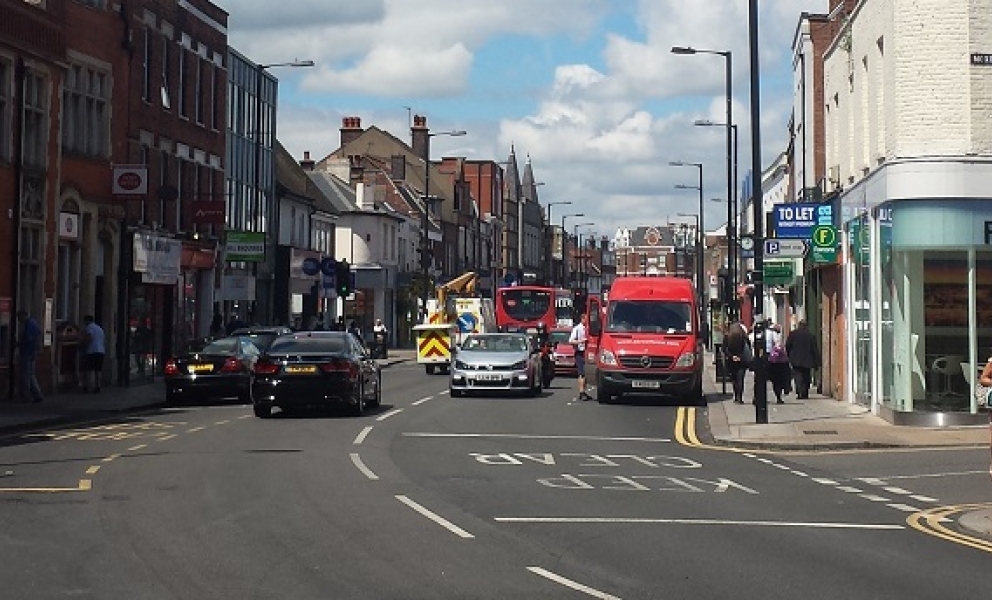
{"x": 606, "y": 357}
{"x": 686, "y": 360}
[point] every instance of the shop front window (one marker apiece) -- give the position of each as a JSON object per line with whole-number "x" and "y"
{"x": 859, "y": 234}
{"x": 143, "y": 342}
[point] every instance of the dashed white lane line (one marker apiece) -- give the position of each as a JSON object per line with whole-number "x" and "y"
{"x": 422, "y": 400}
{"x": 571, "y": 584}
{"x": 849, "y": 489}
{"x": 136, "y": 448}
{"x": 874, "y": 498}
{"x": 904, "y": 507}
{"x": 195, "y": 429}
{"x": 357, "y": 461}
{"x": 436, "y": 518}
{"x": 385, "y": 416}
{"x": 825, "y": 481}
{"x": 924, "y": 498}
{"x": 362, "y": 435}
{"x": 896, "y": 490}
{"x": 111, "y": 458}
{"x": 442, "y": 392}
{"x": 92, "y": 470}
{"x": 799, "y": 473}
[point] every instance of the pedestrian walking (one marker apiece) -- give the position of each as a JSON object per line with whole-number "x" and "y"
{"x": 94, "y": 348}
{"x": 804, "y": 356}
{"x": 779, "y": 374}
{"x": 578, "y": 339}
{"x": 28, "y": 345}
{"x": 739, "y": 355}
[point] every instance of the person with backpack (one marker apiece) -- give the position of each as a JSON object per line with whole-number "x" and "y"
{"x": 739, "y": 355}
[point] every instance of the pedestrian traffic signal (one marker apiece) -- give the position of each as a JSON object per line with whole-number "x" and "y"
{"x": 342, "y": 279}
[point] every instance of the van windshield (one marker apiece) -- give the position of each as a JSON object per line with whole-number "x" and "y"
{"x": 649, "y": 316}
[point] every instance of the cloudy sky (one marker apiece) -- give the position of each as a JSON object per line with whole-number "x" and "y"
{"x": 588, "y": 89}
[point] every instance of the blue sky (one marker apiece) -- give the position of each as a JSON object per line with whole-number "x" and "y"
{"x": 587, "y": 88}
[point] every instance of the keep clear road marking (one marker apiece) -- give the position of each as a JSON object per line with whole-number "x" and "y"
{"x": 361, "y": 436}
{"x": 436, "y": 518}
{"x": 645, "y": 521}
{"x": 591, "y": 438}
{"x": 571, "y": 584}
{"x": 357, "y": 461}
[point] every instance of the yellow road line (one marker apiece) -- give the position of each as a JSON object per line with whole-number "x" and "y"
{"x": 92, "y": 470}
{"x": 930, "y": 523}
{"x": 85, "y": 485}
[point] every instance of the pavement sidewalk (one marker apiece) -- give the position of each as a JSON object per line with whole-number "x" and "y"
{"x": 67, "y": 408}
{"x": 819, "y": 422}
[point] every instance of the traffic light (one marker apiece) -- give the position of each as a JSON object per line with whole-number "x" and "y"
{"x": 342, "y": 279}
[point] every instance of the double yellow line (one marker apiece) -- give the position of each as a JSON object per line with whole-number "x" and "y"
{"x": 931, "y": 522}
{"x": 685, "y": 428}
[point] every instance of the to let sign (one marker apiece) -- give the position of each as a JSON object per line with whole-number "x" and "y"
{"x": 796, "y": 220}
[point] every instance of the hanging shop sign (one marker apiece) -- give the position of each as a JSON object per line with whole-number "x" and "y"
{"x": 157, "y": 258}
{"x": 245, "y": 246}
{"x": 130, "y": 180}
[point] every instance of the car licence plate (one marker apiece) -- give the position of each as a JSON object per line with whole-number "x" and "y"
{"x": 489, "y": 377}
{"x": 207, "y": 368}
{"x": 301, "y": 369}
{"x": 641, "y": 383}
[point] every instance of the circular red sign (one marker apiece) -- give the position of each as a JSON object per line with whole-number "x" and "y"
{"x": 129, "y": 181}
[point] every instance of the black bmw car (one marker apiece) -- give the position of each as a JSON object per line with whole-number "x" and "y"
{"x": 313, "y": 369}
{"x": 221, "y": 368}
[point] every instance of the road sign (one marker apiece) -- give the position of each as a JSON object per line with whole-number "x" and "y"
{"x": 466, "y": 322}
{"x": 778, "y": 273}
{"x": 785, "y": 248}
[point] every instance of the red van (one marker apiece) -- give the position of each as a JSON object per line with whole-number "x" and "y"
{"x": 645, "y": 339}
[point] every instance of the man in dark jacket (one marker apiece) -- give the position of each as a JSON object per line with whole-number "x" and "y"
{"x": 804, "y": 356}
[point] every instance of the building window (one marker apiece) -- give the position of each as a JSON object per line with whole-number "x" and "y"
{"x": 145, "y": 159}
{"x": 85, "y": 99}
{"x": 4, "y": 110}
{"x": 198, "y": 92}
{"x": 183, "y": 110}
{"x": 180, "y": 182}
{"x": 163, "y": 180}
{"x": 166, "y": 64}
{"x": 214, "y": 87}
{"x": 35, "y": 119}
{"x": 146, "y": 67}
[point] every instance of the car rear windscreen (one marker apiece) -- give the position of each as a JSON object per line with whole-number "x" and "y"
{"x": 328, "y": 344}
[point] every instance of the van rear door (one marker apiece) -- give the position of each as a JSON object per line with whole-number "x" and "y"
{"x": 595, "y": 320}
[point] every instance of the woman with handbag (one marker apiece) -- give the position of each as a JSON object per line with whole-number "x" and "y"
{"x": 778, "y": 362}
{"x": 737, "y": 347}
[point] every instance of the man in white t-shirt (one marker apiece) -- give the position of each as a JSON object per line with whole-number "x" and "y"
{"x": 578, "y": 339}
{"x": 94, "y": 348}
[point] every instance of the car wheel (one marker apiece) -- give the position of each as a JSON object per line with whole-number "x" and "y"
{"x": 358, "y": 408}
{"x": 602, "y": 393}
{"x": 377, "y": 402}
{"x": 171, "y": 397}
{"x": 430, "y": 369}
{"x": 454, "y": 393}
{"x": 262, "y": 411}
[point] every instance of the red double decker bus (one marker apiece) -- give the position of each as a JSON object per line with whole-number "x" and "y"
{"x": 522, "y": 307}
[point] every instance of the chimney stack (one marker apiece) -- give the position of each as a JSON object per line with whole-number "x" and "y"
{"x": 307, "y": 164}
{"x": 420, "y": 137}
{"x": 351, "y": 129}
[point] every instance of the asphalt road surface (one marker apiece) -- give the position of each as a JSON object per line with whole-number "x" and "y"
{"x": 479, "y": 497}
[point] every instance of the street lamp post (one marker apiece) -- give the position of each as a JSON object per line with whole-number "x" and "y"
{"x": 551, "y": 242}
{"x": 564, "y": 248}
{"x": 425, "y": 258}
{"x": 701, "y": 227}
{"x": 733, "y": 248}
{"x": 729, "y": 93}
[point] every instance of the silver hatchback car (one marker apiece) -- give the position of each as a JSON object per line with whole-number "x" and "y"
{"x": 496, "y": 362}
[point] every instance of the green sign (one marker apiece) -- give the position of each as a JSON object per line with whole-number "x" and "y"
{"x": 245, "y": 246}
{"x": 824, "y": 244}
{"x": 778, "y": 273}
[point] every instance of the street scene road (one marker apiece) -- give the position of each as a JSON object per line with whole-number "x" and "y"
{"x": 477, "y": 497}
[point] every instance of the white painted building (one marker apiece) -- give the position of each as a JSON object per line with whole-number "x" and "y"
{"x": 908, "y": 120}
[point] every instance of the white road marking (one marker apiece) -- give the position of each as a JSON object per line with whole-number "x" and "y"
{"x": 922, "y": 475}
{"x": 357, "y": 460}
{"x": 436, "y": 518}
{"x": 783, "y": 467}
{"x": 904, "y": 507}
{"x": 849, "y": 489}
{"x": 166, "y": 437}
{"x": 92, "y": 470}
{"x": 594, "y": 438}
{"x": 422, "y": 400}
{"x": 897, "y": 490}
{"x": 194, "y": 429}
{"x": 361, "y": 436}
{"x": 767, "y": 461}
{"x": 871, "y": 480}
{"x": 112, "y": 457}
{"x": 824, "y": 481}
{"x": 571, "y": 584}
{"x": 874, "y": 498}
{"x": 800, "y": 473}
{"x": 442, "y": 392}
{"x": 224, "y": 422}
{"x": 627, "y": 521}
{"x": 138, "y": 447}
{"x": 924, "y": 498}
{"x": 395, "y": 411}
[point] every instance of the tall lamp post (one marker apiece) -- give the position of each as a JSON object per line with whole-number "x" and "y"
{"x": 551, "y": 242}
{"x": 701, "y": 227}
{"x": 732, "y": 226}
{"x": 728, "y": 123}
{"x": 425, "y": 258}
{"x": 269, "y": 210}
{"x": 580, "y": 257}
{"x": 564, "y": 248}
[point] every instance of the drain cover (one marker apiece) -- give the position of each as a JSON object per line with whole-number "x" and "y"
{"x": 819, "y": 432}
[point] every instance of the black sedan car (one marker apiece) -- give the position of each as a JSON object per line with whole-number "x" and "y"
{"x": 314, "y": 369}
{"x": 222, "y": 368}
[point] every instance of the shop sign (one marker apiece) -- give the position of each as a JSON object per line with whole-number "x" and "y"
{"x": 824, "y": 244}
{"x": 157, "y": 258}
{"x": 245, "y": 246}
{"x": 778, "y": 273}
{"x": 796, "y": 220}
{"x": 130, "y": 180}
{"x": 68, "y": 226}
{"x": 208, "y": 212}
